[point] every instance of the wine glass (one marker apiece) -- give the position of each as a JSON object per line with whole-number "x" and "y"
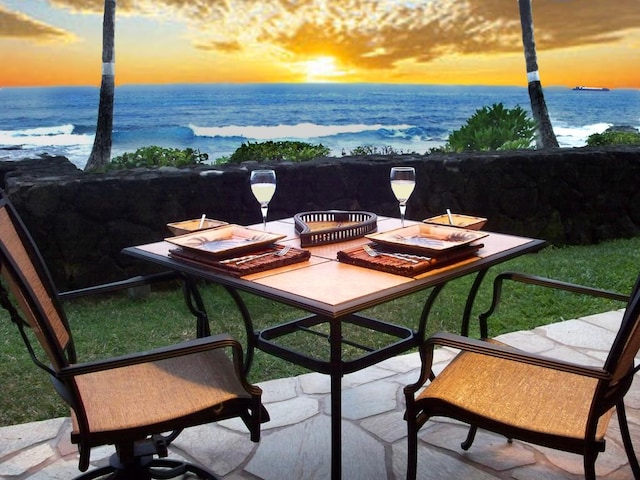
{"x": 263, "y": 186}
{"x": 403, "y": 181}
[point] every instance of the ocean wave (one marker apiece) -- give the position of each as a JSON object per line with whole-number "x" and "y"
{"x": 42, "y": 131}
{"x": 577, "y": 136}
{"x": 57, "y": 135}
{"x": 297, "y": 131}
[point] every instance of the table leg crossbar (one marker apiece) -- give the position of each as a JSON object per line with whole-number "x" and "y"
{"x": 402, "y": 340}
{"x": 405, "y": 339}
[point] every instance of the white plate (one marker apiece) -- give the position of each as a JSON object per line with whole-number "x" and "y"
{"x": 226, "y": 241}
{"x": 423, "y": 238}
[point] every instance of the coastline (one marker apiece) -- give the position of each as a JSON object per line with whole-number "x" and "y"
{"x": 217, "y": 119}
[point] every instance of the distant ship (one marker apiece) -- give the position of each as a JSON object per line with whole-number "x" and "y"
{"x": 590, "y": 89}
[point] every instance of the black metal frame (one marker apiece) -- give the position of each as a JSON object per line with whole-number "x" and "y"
{"x": 133, "y": 460}
{"x": 143, "y": 465}
{"x": 545, "y": 282}
{"x": 416, "y": 417}
{"x": 336, "y": 367}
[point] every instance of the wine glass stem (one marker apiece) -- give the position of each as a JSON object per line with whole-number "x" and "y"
{"x": 264, "y": 209}
{"x": 403, "y": 209}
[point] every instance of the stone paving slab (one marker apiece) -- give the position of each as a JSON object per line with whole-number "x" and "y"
{"x": 295, "y": 443}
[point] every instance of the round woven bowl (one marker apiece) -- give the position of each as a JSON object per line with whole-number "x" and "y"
{"x": 189, "y": 226}
{"x": 459, "y": 220}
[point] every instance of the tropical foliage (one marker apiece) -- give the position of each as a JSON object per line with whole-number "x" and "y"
{"x": 493, "y": 128}
{"x": 364, "y": 150}
{"x": 158, "y": 157}
{"x": 612, "y": 137}
{"x": 271, "y": 151}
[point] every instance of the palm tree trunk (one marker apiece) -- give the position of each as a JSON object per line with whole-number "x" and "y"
{"x": 545, "y": 138}
{"x": 101, "y": 151}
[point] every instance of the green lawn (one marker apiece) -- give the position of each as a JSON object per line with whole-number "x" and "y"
{"x": 117, "y": 324}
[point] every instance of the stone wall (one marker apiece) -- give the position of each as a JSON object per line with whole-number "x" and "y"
{"x": 81, "y": 221}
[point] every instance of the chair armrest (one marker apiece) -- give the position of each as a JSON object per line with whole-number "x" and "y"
{"x": 482, "y": 347}
{"x": 560, "y": 285}
{"x": 541, "y": 282}
{"x": 507, "y": 352}
{"x": 184, "y": 348}
{"x": 137, "y": 281}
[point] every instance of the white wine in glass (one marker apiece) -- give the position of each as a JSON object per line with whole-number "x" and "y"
{"x": 263, "y": 186}
{"x": 403, "y": 181}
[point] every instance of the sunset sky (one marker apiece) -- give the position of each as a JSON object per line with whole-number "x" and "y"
{"x": 469, "y": 42}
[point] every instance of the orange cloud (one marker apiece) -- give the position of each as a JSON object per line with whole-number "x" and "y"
{"x": 421, "y": 40}
{"x": 92, "y": 6}
{"x": 379, "y": 34}
{"x": 19, "y": 26}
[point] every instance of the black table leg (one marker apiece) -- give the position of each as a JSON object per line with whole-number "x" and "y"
{"x": 248, "y": 326}
{"x": 426, "y": 310}
{"x": 194, "y": 302}
{"x": 335, "y": 365}
{"x": 473, "y": 292}
{"x": 191, "y": 296}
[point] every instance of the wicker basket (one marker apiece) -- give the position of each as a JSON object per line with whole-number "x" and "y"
{"x": 320, "y": 228}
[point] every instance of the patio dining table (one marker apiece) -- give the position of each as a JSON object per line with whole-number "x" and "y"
{"x": 333, "y": 294}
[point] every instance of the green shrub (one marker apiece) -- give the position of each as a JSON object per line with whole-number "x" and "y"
{"x": 271, "y": 151}
{"x": 363, "y": 150}
{"x": 612, "y": 137}
{"x": 493, "y": 128}
{"x": 158, "y": 157}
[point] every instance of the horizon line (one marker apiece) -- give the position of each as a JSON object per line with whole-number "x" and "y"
{"x": 327, "y": 84}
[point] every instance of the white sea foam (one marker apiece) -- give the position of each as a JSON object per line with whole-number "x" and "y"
{"x": 577, "y": 136}
{"x": 298, "y": 131}
{"x": 217, "y": 119}
{"x": 53, "y": 140}
{"x": 57, "y": 135}
{"x": 46, "y": 131}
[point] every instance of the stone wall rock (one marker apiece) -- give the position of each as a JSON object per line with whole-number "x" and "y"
{"x": 81, "y": 221}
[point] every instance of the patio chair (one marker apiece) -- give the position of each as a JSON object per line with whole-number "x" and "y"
{"x": 525, "y": 396}
{"x": 138, "y": 402}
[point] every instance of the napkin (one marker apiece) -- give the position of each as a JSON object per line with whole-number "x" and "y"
{"x": 397, "y": 266}
{"x": 244, "y": 265}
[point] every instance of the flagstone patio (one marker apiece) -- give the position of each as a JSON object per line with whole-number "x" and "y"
{"x": 295, "y": 443}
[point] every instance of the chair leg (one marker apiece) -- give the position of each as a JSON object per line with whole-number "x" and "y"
{"x": 466, "y": 445}
{"x": 590, "y": 464}
{"x": 97, "y": 473}
{"x": 626, "y": 440}
{"x": 412, "y": 449}
{"x": 164, "y": 469}
{"x": 137, "y": 461}
{"x": 161, "y": 469}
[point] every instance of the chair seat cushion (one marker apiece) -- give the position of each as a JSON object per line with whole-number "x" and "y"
{"x": 152, "y": 393}
{"x": 516, "y": 394}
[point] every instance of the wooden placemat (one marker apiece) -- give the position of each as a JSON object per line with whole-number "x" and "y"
{"x": 398, "y": 266}
{"x": 244, "y": 266}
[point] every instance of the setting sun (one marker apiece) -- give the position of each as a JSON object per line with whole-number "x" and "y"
{"x": 321, "y": 69}
{"x": 468, "y": 42}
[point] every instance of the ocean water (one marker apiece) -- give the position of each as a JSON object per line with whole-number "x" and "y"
{"x": 218, "y": 118}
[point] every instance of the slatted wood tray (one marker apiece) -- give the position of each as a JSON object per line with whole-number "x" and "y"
{"x": 358, "y": 256}
{"x": 331, "y": 226}
{"x": 238, "y": 269}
